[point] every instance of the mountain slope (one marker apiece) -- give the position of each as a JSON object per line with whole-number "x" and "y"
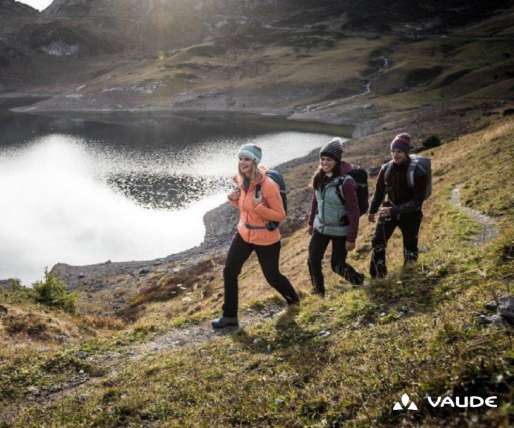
{"x": 58, "y": 40}
{"x": 343, "y": 360}
{"x": 319, "y": 70}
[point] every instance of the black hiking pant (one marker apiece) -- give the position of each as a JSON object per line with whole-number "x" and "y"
{"x": 317, "y": 247}
{"x": 268, "y": 256}
{"x": 409, "y": 224}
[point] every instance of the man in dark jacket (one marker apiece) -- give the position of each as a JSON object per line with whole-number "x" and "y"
{"x": 403, "y": 208}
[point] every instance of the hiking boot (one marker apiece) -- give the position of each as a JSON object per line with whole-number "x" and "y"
{"x": 351, "y": 275}
{"x": 410, "y": 257}
{"x": 377, "y": 269}
{"x": 291, "y": 309}
{"x": 292, "y": 300}
{"x": 318, "y": 292}
{"x": 294, "y": 304}
{"x": 224, "y": 321}
{"x": 287, "y": 315}
{"x": 356, "y": 278}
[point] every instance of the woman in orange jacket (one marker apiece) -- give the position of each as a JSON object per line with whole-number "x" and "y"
{"x": 259, "y": 202}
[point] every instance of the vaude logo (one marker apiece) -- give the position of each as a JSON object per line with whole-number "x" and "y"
{"x": 406, "y": 403}
{"x": 463, "y": 402}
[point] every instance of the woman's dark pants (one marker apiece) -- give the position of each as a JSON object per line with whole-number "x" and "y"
{"x": 317, "y": 247}
{"x": 268, "y": 256}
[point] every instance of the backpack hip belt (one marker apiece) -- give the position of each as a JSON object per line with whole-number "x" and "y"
{"x": 255, "y": 227}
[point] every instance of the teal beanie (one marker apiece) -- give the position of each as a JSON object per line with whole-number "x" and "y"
{"x": 251, "y": 151}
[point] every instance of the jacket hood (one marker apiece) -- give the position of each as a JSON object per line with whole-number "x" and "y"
{"x": 346, "y": 167}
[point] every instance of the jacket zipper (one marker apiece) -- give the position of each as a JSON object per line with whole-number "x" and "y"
{"x": 247, "y": 214}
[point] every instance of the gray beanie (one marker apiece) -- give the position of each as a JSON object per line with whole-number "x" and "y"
{"x": 334, "y": 149}
{"x": 252, "y": 151}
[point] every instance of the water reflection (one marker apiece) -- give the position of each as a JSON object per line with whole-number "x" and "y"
{"x": 56, "y": 209}
{"x": 163, "y": 191}
{"x": 84, "y": 200}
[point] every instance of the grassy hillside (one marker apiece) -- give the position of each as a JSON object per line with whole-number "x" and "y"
{"x": 341, "y": 361}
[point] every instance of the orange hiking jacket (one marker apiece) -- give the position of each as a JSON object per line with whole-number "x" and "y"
{"x": 270, "y": 209}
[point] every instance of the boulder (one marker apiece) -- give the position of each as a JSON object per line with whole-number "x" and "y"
{"x": 506, "y": 309}
{"x": 504, "y": 312}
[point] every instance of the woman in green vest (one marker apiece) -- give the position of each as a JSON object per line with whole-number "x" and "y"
{"x": 334, "y": 216}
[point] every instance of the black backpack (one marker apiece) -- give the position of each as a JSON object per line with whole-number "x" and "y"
{"x": 279, "y": 179}
{"x": 423, "y": 164}
{"x": 360, "y": 176}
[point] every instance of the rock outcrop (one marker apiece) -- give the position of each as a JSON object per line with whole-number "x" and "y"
{"x": 14, "y": 9}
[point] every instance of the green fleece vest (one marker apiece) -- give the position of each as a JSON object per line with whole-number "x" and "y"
{"x": 331, "y": 211}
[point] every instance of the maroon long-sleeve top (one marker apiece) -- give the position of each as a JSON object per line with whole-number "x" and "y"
{"x": 349, "y": 190}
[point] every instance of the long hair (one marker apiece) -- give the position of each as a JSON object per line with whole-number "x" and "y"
{"x": 253, "y": 174}
{"x": 319, "y": 176}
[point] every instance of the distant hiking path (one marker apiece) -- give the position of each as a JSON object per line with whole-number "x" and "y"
{"x": 324, "y": 105}
{"x": 488, "y": 230}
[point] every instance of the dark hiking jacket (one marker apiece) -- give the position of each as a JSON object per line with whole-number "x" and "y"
{"x": 404, "y": 199}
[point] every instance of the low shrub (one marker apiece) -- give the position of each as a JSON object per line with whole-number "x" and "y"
{"x": 52, "y": 292}
{"x": 431, "y": 142}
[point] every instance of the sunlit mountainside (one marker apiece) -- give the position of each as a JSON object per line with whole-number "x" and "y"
{"x": 178, "y": 50}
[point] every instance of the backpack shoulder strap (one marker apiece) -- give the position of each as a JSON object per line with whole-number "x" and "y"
{"x": 347, "y": 177}
{"x": 411, "y": 170}
{"x": 387, "y": 171}
{"x": 259, "y": 190}
{"x": 339, "y": 186}
{"x": 265, "y": 185}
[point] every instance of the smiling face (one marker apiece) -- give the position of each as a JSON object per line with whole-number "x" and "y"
{"x": 246, "y": 166}
{"x": 327, "y": 164}
{"x": 398, "y": 156}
